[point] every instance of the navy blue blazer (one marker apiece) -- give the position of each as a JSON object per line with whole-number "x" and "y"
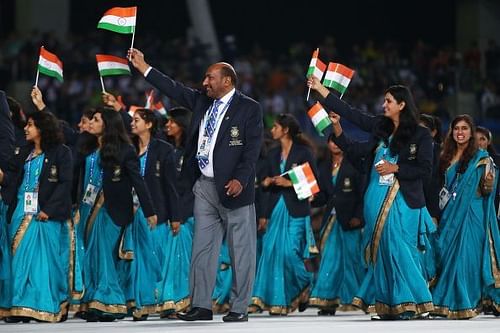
{"x": 347, "y": 194}
{"x": 298, "y": 155}
{"x": 160, "y": 180}
{"x": 55, "y": 180}
{"x": 7, "y": 135}
{"x": 238, "y": 141}
{"x": 432, "y": 185}
{"x": 415, "y": 158}
{"x": 117, "y": 186}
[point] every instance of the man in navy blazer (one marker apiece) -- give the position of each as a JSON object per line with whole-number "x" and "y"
{"x": 223, "y": 144}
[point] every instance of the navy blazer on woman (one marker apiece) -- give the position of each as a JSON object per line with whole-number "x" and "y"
{"x": 160, "y": 180}
{"x": 117, "y": 186}
{"x": 298, "y": 155}
{"x": 415, "y": 158}
{"x": 7, "y": 136}
{"x": 55, "y": 180}
{"x": 237, "y": 145}
{"x": 346, "y": 195}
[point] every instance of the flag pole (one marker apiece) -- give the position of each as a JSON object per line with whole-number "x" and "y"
{"x": 133, "y": 36}
{"x": 37, "y": 69}
{"x": 102, "y": 84}
{"x": 309, "y": 90}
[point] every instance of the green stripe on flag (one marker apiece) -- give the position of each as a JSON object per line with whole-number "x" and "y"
{"x": 293, "y": 177}
{"x": 335, "y": 85}
{"x": 324, "y": 123}
{"x": 116, "y": 28}
{"x": 50, "y": 73}
{"x": 114, "y": 71}
{"x": 310, "y": 71}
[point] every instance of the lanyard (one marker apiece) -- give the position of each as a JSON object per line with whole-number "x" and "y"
{"x": 93, "y": 160}
{"x": 31, "y": 158}
{"x": 143, "y": 165}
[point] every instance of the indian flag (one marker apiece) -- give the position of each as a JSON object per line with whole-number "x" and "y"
{"x": 49, "y": 64}
{"x": 119, "y": 19}
{"x": 338, "y": 77}
{"x": 112, "y": 65}
{"x": 303, "y": 180}
{"x": 316, "y": 67}
{"x": 319, "y": 117}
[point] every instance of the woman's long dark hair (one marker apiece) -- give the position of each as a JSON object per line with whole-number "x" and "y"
{"x": 486, "y": 132}
{"x": 149, "y": 117}
{"x": 113, "y": 137}
{"x": 433, "y": 124}
{"x": 50, "y": 129}
{"x": 286, "y": 120}
{"x": 450, "y": 146}
{"x": 408, "y": 120}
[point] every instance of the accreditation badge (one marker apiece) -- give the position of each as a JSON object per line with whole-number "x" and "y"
{"x": 30, "y": 202}
{"x": 135, "y": 200}
{"x": 90, "y": 194}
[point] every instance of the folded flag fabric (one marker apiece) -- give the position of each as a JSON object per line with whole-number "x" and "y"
{"x": 155, "y": 106}
{"x": 319, "y": 117}
{"x": 112, "y": 65}
{"x": 316, "y": 67}
{"x": 338, "y": 77}
{"x": 119, "y": 19}
{"x": 49, "y": 64}
{"x": 303, "y": 180}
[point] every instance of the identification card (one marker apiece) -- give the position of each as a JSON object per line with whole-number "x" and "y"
{"x": 386, "y": 180}
{"x": 444, "y": 197}
{"x": 90, "y": 194}
{"x": 204, "y": 150}
{"x": 31, "y": 202}
{"x": 135, "y": 200}
{"x": 333, "y": 211}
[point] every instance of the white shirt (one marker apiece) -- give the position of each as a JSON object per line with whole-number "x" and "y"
{"x": 209, "y": 169}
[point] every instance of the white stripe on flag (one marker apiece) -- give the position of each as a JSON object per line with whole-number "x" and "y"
{"x": 50, "y": 65}
{"x": 118, "y": 20}
{"x": 103, "y": 65}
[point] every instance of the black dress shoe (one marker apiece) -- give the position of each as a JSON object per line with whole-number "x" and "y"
{"x": 235, "y": 317}
{"x": 326, "y": 312}
{"x": 196, "y": 314}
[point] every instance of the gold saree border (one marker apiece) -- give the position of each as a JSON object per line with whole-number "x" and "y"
{"x": 108, "y": 308}
{"x": 41, "y": 315}
{"x": 444, "y": 311}
{"x": 179, "y": 306}
{"x": 331, "y": 221}
{"x": 21, "y": 230}
{"x": 324, "y": 302}
{"x": 372, "y": 249}
{"x": 93, "y": 214}
{"x": 280, "y": 309}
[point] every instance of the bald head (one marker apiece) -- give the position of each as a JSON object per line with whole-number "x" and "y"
{"x": 227, "y": 70}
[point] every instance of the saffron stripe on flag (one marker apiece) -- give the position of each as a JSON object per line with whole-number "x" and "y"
{"x": 122, "y": 11}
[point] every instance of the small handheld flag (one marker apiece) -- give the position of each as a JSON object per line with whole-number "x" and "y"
{"x": 319, "y": 117}
{"x": 338, "y": 77}
{"x": 119, "y": 19}
{"x": 49, "y": 64}
{"x": 111, "y": 65}
{"x": 316, "y": 68}
{"x": 303, "y": 180}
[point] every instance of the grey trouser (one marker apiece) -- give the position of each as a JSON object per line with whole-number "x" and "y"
{"x": 212, "y": 221}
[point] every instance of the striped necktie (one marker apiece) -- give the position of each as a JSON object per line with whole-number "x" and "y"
{"x": 209, "y": 130}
